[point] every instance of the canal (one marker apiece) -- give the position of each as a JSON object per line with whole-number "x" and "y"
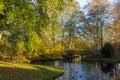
{"x": 77, "y": 70}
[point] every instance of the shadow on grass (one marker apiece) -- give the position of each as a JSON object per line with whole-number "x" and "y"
{"x": 56, "y": 72}
{"x": 15, "y": 73}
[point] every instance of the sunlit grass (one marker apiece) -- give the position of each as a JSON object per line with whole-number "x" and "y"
{"x": 13, "y": 71}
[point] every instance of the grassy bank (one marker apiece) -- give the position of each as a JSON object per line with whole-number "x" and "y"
{"x": 109, "y": 60}
{"x": 13, "y": 71}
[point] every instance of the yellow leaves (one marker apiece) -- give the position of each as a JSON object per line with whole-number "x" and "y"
{"x": 34, "y": 56}
{"x": 58, "y": 47}
{"x": 20, "y": 44}
{"x": 20, "y": 47}
{"x": 78, "y": 40}
{"x": 39, "y": 42}
{"x": 80, "y": 44}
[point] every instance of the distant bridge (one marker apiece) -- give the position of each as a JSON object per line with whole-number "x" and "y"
{"x": 70, "y": 56}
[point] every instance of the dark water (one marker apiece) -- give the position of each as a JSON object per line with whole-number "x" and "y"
{"x": 87, "y": 70}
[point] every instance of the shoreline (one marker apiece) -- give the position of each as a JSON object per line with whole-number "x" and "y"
{"x": 32, "y": 62}
{"x": 55, "y": 77}
{"x": 28, "y": 71}
{"x": 109, "y": 60}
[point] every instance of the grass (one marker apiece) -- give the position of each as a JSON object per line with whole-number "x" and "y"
{"x": 110, "y": 60}
{"x": 13, "y": 71}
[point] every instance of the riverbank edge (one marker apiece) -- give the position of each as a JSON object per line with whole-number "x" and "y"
{"x": 108, "y": 60}
{"x": 61, "y": 71}
{"x": 34, "y": 61}
{"x": 55, "y": 77}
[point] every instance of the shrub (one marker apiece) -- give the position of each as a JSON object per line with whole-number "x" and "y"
{"x": 107, "y": 50}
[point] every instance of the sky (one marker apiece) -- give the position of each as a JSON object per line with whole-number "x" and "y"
{"x": 84, "y": 2}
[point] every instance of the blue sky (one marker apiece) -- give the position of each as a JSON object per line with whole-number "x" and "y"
{"x": 83, "y": 2}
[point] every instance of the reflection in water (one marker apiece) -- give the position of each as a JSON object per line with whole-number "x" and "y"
{"x": 108, "y": 70}
{"x": 87, "y": 70}
{"x": 90, "y": 71}
{"x": 111, "y": 70}
{"x": 107, "y": 67}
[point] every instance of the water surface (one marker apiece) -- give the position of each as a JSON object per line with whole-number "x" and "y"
{"x": 87, "y": 70}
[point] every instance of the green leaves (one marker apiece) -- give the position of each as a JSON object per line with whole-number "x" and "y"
{"x": 2, "y": 7}
{"x": 34, "y": 27}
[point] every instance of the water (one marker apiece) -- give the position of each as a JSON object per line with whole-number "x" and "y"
{"x": 87, "y": 70}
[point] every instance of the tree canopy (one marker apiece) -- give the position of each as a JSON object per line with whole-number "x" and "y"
{"x": 40, "y": 29}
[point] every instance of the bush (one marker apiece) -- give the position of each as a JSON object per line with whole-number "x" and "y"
{"x": 107, "y": 50}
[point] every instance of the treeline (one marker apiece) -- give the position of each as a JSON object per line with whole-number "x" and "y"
{"x": 45, "y": 29}
{"x": 102, "y": 25}
{"x": 37, "y": 29}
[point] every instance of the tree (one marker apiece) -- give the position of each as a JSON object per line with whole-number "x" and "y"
{"x": 96, "y": 17}
{"x": 107, "y": 50}
{"x": 66, "y": 23}
{"x": 20, "y": 19}
{"x": 116, "y": 16}
{"x": 71, "y": 29}
{"x": 115, "y": 26}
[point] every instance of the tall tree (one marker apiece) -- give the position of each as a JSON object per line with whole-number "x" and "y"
{"x": 97, "y": 15}
{"x": 116, "y": 14}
